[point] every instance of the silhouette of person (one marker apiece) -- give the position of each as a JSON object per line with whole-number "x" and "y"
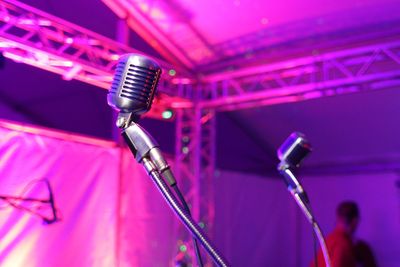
{"x": 342, "y": 249}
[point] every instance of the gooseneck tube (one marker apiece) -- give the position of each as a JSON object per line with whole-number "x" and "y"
{"x": 305, "y": 208}
{"x": 182, "y": 215}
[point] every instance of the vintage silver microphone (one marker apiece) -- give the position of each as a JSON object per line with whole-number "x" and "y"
{"x": 133, "y": 88}
{"x": 131, "y": 94}
{"x": 291, "y": 153}
{"x": 294, "y": 149}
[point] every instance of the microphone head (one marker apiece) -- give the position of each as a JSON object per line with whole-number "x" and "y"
{"x": 134, "y": 84}
{"x": 294, "y": 149}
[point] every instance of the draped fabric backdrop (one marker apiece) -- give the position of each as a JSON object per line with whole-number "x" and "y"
{"x": 84, "y": 178}
{"x": 112, "y": 215}
{"x": 258, "y": 223}
{"x": 147, "y": 226}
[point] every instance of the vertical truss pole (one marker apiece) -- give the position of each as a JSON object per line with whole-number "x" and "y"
{"x": 194, "y": 168}
{"x": 196, "y": 159}
{"x": 208, "y": 159}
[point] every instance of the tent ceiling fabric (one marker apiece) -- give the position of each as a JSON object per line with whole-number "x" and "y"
{"x": 349, "y": 133}
{"x": 202, "y": 32}
{"x": 215, "y": 19}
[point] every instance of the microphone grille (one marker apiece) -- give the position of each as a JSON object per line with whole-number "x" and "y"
{"x": 134, "y": 84}
{"x": 294, "y": 149}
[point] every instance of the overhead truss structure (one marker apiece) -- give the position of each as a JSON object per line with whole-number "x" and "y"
{"x": 369, "y": 67}
{"x": 36, "y": 38}
{"x": 31, "y": 36}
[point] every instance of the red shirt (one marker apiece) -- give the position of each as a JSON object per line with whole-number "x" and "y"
{"x": 340, "y": 249}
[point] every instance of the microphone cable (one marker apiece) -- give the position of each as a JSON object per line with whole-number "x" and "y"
{"x": 315, "y": 248}
{"x": 169, "y": 176}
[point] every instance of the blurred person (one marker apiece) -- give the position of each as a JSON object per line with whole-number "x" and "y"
{"x": 343, "y": 250}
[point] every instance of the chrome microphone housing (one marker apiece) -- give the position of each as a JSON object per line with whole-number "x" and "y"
{"x": 294, "y": 149}
{"x": 134, "y": 85}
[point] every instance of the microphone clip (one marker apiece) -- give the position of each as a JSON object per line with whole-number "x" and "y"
{"x": 125, "y": 119}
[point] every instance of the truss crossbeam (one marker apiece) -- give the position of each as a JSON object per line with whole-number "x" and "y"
{"x": 362, "y": 68}
{"x": 195, "y": 164}
{"x": 31, "y": 36}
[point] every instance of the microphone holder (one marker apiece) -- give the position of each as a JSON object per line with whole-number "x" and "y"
{"x": 299, "y": 195}
{"x": 145, "y": 150}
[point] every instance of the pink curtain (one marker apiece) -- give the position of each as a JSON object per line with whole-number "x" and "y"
{"x": 147, "y": 228}
{"x": 84, "y": 178}
{"x": 111, "y": 213}
{"x": 258, "y": 224}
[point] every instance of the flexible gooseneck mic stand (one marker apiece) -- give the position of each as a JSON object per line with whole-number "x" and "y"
{"x": 301, "y": 199}
{"x": 145, "y": 150}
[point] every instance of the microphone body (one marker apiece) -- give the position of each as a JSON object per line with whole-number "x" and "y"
{"x": 132, "y": 92}
{"x": 291, "y": 153}
{"x": 133, "y": 87}
{"x": 294, "y": 149}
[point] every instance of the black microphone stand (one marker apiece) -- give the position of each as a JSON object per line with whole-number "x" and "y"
{"x": 301, "y": 199}
{"x": 145, "y": 150}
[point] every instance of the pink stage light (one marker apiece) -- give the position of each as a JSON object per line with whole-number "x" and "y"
{"x": 40, "y": 22}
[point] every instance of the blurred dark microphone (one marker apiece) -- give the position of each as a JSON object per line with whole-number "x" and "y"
{"x": 291, "y": 153}
{"x": 294, "y": 149}
{"x": 135, "y": 82}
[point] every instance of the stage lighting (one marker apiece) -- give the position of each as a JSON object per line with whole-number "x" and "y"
{"x": 167, "y": 114}
{"x": 172, "y": 72}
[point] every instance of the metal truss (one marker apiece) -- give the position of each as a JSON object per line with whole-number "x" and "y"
{"x": 166, "y": 26}
{"x": 357, "y": 69}
{"x": 36, "y": 38}
{"x": 195, "y": 165}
